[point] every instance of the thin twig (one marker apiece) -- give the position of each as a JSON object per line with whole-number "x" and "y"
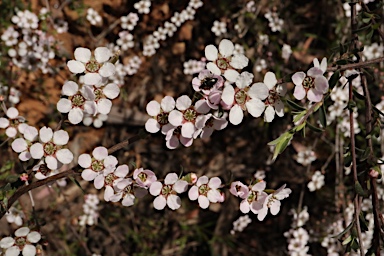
{"x": 357, "y": 204}
{"x": 356, "y": 65}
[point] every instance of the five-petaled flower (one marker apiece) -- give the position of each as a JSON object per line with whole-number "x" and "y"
{"x": 95, "y": 66}
{"x": 206, "y": 191}
{"x": 224, "y": 61}
{"x": 166, "y": 194}
{"x": 313, "y": 84}
{"x": 22, "y": 242}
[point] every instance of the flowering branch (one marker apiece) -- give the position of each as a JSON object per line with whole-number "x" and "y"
{"x": 72, "y": 171}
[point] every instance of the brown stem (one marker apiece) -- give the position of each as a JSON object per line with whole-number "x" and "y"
{"x": 371, "y": 159}
{"x": 357, "y": 204}
{"x": 72, "y": 171}
{"x": 356, "y": 65}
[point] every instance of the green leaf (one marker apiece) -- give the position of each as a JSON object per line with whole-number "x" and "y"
{"x": 369, "y": 35}
{"x": 347, "y": 240}
{"x": 77, "y": 184}
{"x": 359, "y": 189}
{"x": 366, "y": 20}
{"x": 341, "y": 62}
{"x": 299, "y": 116}
{"x": 358, "y": 95}
{"x": 282, "y": 144}
{"x": 300, "y": 127}
{"x": 334, "y": 79}
{"x": 295, "y": 106}
{"x": 323, "y": 116}
{"x": 314, "y": 128}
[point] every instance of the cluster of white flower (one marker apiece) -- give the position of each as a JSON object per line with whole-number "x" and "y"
{"x": 219, "y": 28}
{"x": 94, "y": 17}
{"x": 22, "y": 242}
{"x": 93, "y": 94}
{"x": 373, "y": 51}
{"x": 316, "y": 182}
{"x": 152, "y": 42}
{"x": 256, "y": 200}
{"x": 91, "y": 213}
{"x": 240, "y": 224}
{"x": 29, "y": 47}
{"x": 331, "y": 243}
{"x": 338, "y": 110}
{"x": 129, "y": 22}
{"x": 143, "y": 6}
{"x": 192, "y": 67}
{"x": 297, "y": 236}
{"x": 306, "y": 157}
{"x": 275, "y": 23}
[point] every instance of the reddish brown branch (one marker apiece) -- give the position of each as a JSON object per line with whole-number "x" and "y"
{"x": 22, "y": 190}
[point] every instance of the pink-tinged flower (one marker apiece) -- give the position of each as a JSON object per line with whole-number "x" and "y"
{"x": 109, "y": 179}
{"x": 270, "y": 94}
{"x": 256, "y": 194}
{"x": 78, "y": 102}
{"x": 94, "y": 66}
{"x": 97, "y": 164}
{"x": 159, "y": 113}
{"x": 239, "y": 189}
{"x": 185, "y": 115}
{"x": 207, "y": 81}
{"x": 206, "y": 124}
{"x": 211, "y": 86}
{"x": 313, "y": 84}
{"x": 51, "y": 147}
{"x": 128, "y": 191}
{"x": 13, "y": 123}
{"x": 167, "y": 194}
{"x": 173, "y": 137}
{"x": 206, "y": 191}
{"x": 22, "y": 242}
{"x": 22, "y": 145}
{"x": 224, "y": 60}
{"x": 239, "y": 100}
{"x": 272, "y": 202}
{"x": 144, "y": 178}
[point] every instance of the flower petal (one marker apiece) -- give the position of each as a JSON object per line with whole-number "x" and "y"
{"x": 226, "y": 48}
{"x": 211, "y": 52}
{"x": 255, "y": 107}
{"x": 60, "y": 137}
{"x": 82, "y": 54}
{"x": 75, "y": 66}
{"x": 298, "y": 78}
{"x": 270, "y": 80}
{"x": 102, "y": 54}
{"x": 64, "y": 155}
{"x": 236, "y": 115}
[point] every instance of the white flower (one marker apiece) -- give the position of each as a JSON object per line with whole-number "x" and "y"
{"x": 21, "y": 243}
{"x": 255, "y": 197}
{"x": 317, "y": 181}
{"x": 129, "y": 22}
{"x": 94, "y": 17}
{"x": 167, "y": 194}
{"x": 125, "y": 40}
{"x": 78, "y": 102}
{"x": 13, "y": 123}
{"x": 51, "y": 148}
{"x": 322, "y": 66}
{"x": 143, "y": 6}
{"x": 219, "y": 28}
{"x": 206, "y": 191}
{"x": 286, "y": 52}
{"x": 22, "y": 145}
{"x": 305, "y": 157}
{"x": 94, "y": 66}
{"x": 224, "y": 61}
{"x": 159, "y": 113}
{"x": 100, "y": 163}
